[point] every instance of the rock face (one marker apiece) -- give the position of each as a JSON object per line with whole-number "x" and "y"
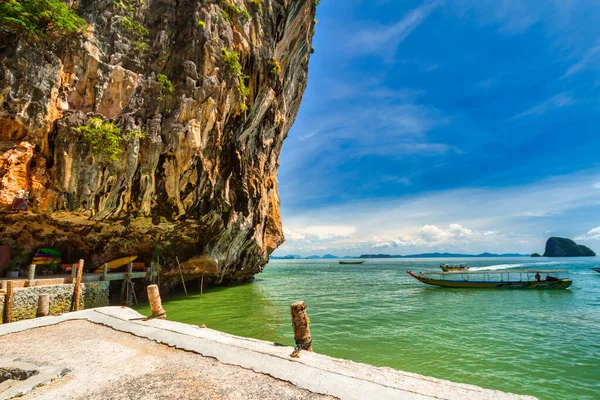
{"x": 197, "y": 172}
{"x": 563, "y": 247}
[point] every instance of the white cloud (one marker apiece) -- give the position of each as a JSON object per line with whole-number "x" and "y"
{"x": 318, "y": 232}
{"x": 591, "y": 235}
{"x": 555, "y": 102}
{"x": 591, "y": 58}
{"x": 511, "y": 219}
{"x": 385, "y": 39}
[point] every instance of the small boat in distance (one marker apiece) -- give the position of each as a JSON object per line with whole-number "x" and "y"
{"x": 448, "y": 268}
{"x": 352, "y": 262}
{"x": 596, "y": 269}
{"x": 502, "y": 279}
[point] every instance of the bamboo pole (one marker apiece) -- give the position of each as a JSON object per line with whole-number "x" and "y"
{"x": 300, "y": 323}
{"x": 73, "y": 272}
{"x": 105, "y": 271}
{"x": 202, "y": 285}
{"x": 77, "y": 288}
{"x": 8, "y": 302}
{"x": 155, "y": 302}
{"x": 43, "y": 307}
{"x": 181, "y": 274}
{"x": 130, "y": 283}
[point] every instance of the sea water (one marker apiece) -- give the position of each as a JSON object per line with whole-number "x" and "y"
{"x": 540, "y": 343}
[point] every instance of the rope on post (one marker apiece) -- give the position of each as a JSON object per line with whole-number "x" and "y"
{"x": 8, "y": 302}
{"x": 43, "y": 308}
{"x": 155, "y": 303}
{"x": 300, "y": 323}
{"x": 77, "y": 289}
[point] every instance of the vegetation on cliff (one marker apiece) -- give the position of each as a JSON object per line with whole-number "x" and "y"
{"x": 39, "y": 18}
{"x": 563, "y": 247}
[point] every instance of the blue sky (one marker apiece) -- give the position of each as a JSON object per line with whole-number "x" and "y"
{"x": 463, "y": 125}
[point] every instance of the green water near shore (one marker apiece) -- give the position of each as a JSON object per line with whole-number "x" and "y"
{"x": 540, "y": 343}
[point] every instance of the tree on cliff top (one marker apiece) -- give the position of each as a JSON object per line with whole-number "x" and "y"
{"x": 38, "y": 18}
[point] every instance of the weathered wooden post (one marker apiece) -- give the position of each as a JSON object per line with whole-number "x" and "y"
{"x": 31, "y": 275}
{"x": 155, "y": 303}
{"x": 105, "y": 271}
{"x": 8, "y": 303}
{"x": 73, "y": 272}
{"x": 43, "y": 308}
{"x": 300, "y": 324}
{"x": 77, "y": 288}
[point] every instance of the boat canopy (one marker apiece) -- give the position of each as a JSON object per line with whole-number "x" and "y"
{"x": 500, "y": 271}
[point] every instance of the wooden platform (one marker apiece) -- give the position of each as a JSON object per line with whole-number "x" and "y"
{"x": 68, "y": 279}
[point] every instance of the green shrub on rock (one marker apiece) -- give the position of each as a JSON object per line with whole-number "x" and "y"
{"x": 165, "y": 84}
{"x": 103, "y": 137}
{"x": 39, "y": 18}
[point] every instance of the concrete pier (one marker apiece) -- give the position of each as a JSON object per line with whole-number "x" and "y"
{"x": 311, "y": 376}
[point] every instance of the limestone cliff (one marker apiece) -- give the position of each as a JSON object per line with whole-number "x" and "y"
{"x": 563, "y": 247}
{"x": 202, "y": 93}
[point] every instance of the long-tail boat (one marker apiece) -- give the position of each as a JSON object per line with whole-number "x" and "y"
{"x": 352, "y": 262}
{"x": 448, "y": 268}
{"x": 503, "y": 279}
{"x": 596, "y": 269}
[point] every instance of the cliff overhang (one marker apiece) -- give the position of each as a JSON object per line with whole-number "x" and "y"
{"x": 198, "y": 98}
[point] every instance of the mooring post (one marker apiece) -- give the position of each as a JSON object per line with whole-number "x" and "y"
{"x": 31, "y": 275}
{"x": 77, "y": 288}
{"x": 43, "y": 307}
{"x": 300, "y": 324}
{"x": 8, "y": 302}
{"x": 155, "y": 302}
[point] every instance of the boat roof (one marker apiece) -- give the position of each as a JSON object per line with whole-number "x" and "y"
{"x": 501, "y": 271}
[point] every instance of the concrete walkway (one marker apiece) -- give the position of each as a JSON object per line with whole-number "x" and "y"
{"x": 310, "y": 374}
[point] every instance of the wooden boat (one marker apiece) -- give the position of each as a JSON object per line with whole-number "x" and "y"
{"x": 448, "y": 268}
{"x": 45, "y": 252}
{"x": 596, "y": 269}
{"x": 503, "y": 279}
{"x": 114, "y": 264}
{"x": 46, "y": 261}
{"x": 351, "y": 262}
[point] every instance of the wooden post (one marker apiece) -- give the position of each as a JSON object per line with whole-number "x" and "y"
{"x": 202, "y": 285}
{"x": 155, "y": 302}
{"x": 77, "y": 289}
{"x": 181, "y": 274}
{"x": 2, "y": 285}
{"x": 8, "y": 302}
{"x": 43, "y": 307}
{"x": 73, "y": 272}
{"x": 31, "y": 275}
{"x": 105, "y": 271}
{"x": 128, "y": 283}
{"x": 300, "y": 324}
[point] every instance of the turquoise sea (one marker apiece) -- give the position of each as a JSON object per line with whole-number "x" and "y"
{"x": 541, "y": 343}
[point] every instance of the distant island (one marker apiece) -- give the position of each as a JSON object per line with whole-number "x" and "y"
{"x": 421, "y": 255}
{"x": 563, "y": 247}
